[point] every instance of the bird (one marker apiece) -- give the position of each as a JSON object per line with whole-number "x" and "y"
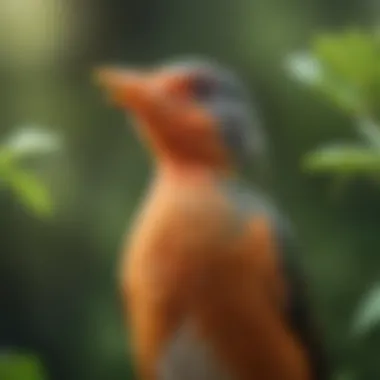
{"x": 209, "y": 271}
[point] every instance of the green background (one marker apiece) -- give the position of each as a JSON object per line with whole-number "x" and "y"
{"x": 58, "y": 293}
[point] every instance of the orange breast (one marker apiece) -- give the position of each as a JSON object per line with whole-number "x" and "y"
{"x": 160, "y": 262}
{"x": 200, "y": 267}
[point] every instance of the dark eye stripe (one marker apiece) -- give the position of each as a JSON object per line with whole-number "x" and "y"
{"x": 203, "y": 87}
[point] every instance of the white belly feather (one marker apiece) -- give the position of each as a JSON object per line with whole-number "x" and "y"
{"x": 189, "y": 358}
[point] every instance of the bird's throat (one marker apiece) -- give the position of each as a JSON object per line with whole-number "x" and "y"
{"x": 191, "y": 174}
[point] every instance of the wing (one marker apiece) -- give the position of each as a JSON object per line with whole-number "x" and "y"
{"x": 299, "y": 313}
{"x": 239, "y": 309}
{"x": 253, "y": 305}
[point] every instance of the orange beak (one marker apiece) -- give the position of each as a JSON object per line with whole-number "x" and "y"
{"x": 150, "y": 96}
{"x": 126, "y": 88}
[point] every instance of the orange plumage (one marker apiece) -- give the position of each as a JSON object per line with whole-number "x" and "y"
{"x": 203, "y": 277}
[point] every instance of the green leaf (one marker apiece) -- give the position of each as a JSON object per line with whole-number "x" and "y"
{"x": 305, "y": 68}
{"x": 20, "y": 367}
{"x": 351, "y": 56}
{"x": 344, "y": 159}
{"x": 370, "y": 131}
{"x": 368, "y": 314}
{"x": 308, "y": 69}
{"x": 30, "y": 141}
{"x": 344, "y": 95}
{"x": 30, "y": 191}
{"x": 343, "y": 67}
{"x": 26, "y": 142}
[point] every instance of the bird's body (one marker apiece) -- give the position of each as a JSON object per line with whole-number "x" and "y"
{"x": 205, "y": 275}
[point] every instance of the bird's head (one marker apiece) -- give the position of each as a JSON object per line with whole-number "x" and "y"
{"x": 192, "y": 112}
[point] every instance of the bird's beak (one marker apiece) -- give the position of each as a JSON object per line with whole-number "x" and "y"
{"x": 126, "y": 88}
{"x": 158, "y": 99}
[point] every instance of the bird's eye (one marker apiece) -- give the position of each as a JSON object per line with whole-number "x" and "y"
{"x": 203, "y": 87}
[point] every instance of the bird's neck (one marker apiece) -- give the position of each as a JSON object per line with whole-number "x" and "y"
{"x": 187, "y": 173}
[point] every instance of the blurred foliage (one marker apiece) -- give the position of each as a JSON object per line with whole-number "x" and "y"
{"x": 20, "y": 367}
{"x": 345, "y": 68}
{"x": 368, "y": 315}
{"x": 58, "y": 291}
{"x": 23, "y": 145}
